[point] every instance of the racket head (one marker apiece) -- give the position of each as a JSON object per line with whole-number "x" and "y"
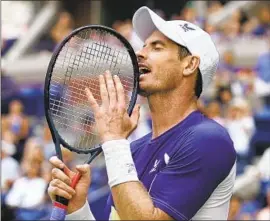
{"x": 57, "y": 137}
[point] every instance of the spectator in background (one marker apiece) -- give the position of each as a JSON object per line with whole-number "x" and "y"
{"x": 125, "y": 28}
{"x": 63, "y": 26}
{"x": 252, "y": 87}
{"x": 224, "y": 97}
{"x": 10, "y": 168}
{"x": 264, "y": 21}
{"x": 240, "y": 126}
{"x": 231, "y": 29}
{"x": 213, "y": 111}
{"x": 214, "y": 6}
{"x": 228, "y": 62}
{"x": 16, "y": 121}
{"x": 212, "y": 31}
{"x": 32, "y": 151}
{"x": 253, "y": 182}
{"x": 8, "y": 90}
{"x": 189, "y": 14}
{"x": 248, "y": 27}
{"x": 28, "y": 193}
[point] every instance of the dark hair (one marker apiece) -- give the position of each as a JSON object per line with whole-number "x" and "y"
{"x": 184, "y": 52}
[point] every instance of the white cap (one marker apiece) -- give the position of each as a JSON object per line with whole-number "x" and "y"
{"x": 184, "y": 33}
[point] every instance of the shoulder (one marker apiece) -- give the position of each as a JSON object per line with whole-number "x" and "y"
{"x": 212, "y": 137}
{"x": 214, "y": 145}
{"x": 210, "y": 129}
{"x": 208, "y": 144}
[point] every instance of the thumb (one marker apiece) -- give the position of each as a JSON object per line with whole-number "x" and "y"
{"x": 83, "y": 174}
{"x": 135, "y": 115}
{"x": 84, "y": 169}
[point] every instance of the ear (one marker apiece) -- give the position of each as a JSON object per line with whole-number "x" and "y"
{"x": 191, "y": 64}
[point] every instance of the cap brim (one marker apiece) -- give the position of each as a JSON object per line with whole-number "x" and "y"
{"x": 145, "y": 22}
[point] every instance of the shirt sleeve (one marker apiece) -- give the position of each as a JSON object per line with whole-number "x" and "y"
{"x": 193, "y": 173}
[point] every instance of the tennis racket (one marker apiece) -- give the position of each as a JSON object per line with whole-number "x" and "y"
{"x": 75, "y": 65}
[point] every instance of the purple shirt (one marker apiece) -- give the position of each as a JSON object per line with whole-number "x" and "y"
{"x": 183, "y": 166}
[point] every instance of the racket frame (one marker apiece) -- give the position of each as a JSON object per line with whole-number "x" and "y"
{"x": 61, "y": 203}
{"x": 56, "y": 136}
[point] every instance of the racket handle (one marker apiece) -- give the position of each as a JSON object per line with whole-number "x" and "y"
{"x": 58, "y": 212}
{"x": 75, "y": 180}
{"x": 60, "y": 206}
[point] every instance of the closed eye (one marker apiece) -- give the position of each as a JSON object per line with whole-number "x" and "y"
{"x": 157, "y": 45}
{"x": 157, "y": 48}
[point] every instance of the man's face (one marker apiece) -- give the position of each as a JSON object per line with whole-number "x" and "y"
{"x": 159, "y": 64}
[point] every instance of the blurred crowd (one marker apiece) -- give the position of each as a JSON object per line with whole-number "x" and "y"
{"x": 238, "y": 99}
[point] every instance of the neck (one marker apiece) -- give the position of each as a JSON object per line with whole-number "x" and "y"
{"x": 169, "y": 109}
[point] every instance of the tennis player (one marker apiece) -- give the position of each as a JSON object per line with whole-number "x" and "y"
{"x": 185, "y": 168}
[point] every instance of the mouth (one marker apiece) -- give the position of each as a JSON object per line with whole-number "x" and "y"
{"x": 144, "y": 69}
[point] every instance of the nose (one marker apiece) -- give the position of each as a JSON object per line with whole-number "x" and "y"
{"x": 141, "y": 54}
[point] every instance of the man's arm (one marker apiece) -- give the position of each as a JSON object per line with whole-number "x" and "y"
{"x": 132, "y": 201}
{"x": 130, "y": 197}
{"x": 114, "y": 126}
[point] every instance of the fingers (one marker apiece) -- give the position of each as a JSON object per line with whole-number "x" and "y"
{"x": 111, "y": 90}
{"x": 61, "y": 171}
{"x": 68, "y": 172}
{"x": 92, "y": 101}
{"x": 58, "y": 187}
{"x": 60, "y": 175}
{"x": 103, "y": 91}
{"x": 135, "y": 115}
{"x": 57, "y": 162}
{"x": 120, "y": 92}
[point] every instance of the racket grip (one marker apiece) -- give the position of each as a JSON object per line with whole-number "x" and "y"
{"x": 75, "y": 180}
{"x": 60, "y": 206}
{"x": 58, "y": 212}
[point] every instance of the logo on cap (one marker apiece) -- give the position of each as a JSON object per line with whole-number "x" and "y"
{"x": 186, "y": 28}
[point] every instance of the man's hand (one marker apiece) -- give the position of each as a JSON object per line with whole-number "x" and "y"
{"x": 112, "y": 119}
{"x": 61, "y": 181}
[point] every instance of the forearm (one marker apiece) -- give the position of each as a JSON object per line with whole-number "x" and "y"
{"x": 130, "y": 197}
{"x": 133, "y": 202}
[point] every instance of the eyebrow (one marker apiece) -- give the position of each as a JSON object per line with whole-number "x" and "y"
{"x": 156, "y": 42}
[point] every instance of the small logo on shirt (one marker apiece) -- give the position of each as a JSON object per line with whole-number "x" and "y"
{"x": 166, "y": 158}
{"x": 155, "y": 166}
{"x": 186, "y": 28}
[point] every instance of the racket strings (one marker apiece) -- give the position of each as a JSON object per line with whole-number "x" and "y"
{"x": 84, "y": 57}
